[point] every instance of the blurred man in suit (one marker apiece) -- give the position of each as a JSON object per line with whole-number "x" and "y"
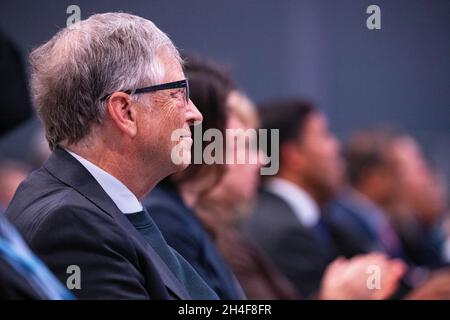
{"x": 287, "y": 221}
{"x": 388, "y": 181}
{"x": 390, "y": 187}
{"x": 110, "y": 91}
{"x": 374, "y": 179}
{"x": 417, "y": 213}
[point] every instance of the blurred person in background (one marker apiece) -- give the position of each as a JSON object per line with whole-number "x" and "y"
{"x": 386, "y": 173}
{"x": 374, "y": 184}
{"x": 12, "y": 173}
{"x": 418, "y": 211}
{"x": 287, "y": 220}
{"x": 230, "y": 201}
{"x": 391, "y": 192}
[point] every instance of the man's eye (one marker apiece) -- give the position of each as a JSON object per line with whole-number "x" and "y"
{"x": 177, "y": 94}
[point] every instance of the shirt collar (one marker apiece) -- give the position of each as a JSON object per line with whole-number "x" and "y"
{"x": 304, "y": 207}
{"x": 124, "y": 199}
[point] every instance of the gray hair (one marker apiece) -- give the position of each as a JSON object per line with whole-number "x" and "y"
{"x": 92, "y": 58}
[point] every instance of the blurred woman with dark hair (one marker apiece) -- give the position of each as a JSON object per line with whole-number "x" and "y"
{"x": 230, "y": 201}
{"x": 224, "y": 207}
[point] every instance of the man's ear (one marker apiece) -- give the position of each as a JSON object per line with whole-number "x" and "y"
{"x": 123, "y": 113}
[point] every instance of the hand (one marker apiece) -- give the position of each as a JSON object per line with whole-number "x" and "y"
{"x": 350, "y": 279}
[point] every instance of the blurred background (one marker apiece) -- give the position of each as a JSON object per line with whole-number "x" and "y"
{"x": 320, "y": 49}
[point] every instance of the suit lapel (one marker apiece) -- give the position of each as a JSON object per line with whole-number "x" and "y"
{"x": 69, "y": 171}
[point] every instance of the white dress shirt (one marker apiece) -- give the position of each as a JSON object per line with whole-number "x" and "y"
{"x": 124, "y": 199}
{"x": 302, "y": 204}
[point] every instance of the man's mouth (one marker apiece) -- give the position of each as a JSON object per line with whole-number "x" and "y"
{"x": 187, "y": 137}
{"x": 187, "y": 134}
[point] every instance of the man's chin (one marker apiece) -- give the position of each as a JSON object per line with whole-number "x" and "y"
{"x": 183, "y": 162}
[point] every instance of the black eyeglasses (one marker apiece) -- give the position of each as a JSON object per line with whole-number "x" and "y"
{"x": 165, "y": 86}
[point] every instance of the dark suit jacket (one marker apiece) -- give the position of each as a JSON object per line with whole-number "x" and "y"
{"x": 296, "y": 250}
{"x": 352, "y": 234}
{"x": 68, "y": 219}
{"x": 423, "y": 245}
{"x": 357, "y": 228}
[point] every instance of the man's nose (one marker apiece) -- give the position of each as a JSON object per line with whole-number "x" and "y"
{"x": 193, "y": 114}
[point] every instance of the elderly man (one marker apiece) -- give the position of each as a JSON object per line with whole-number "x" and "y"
{"x": 110, "y": 91}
